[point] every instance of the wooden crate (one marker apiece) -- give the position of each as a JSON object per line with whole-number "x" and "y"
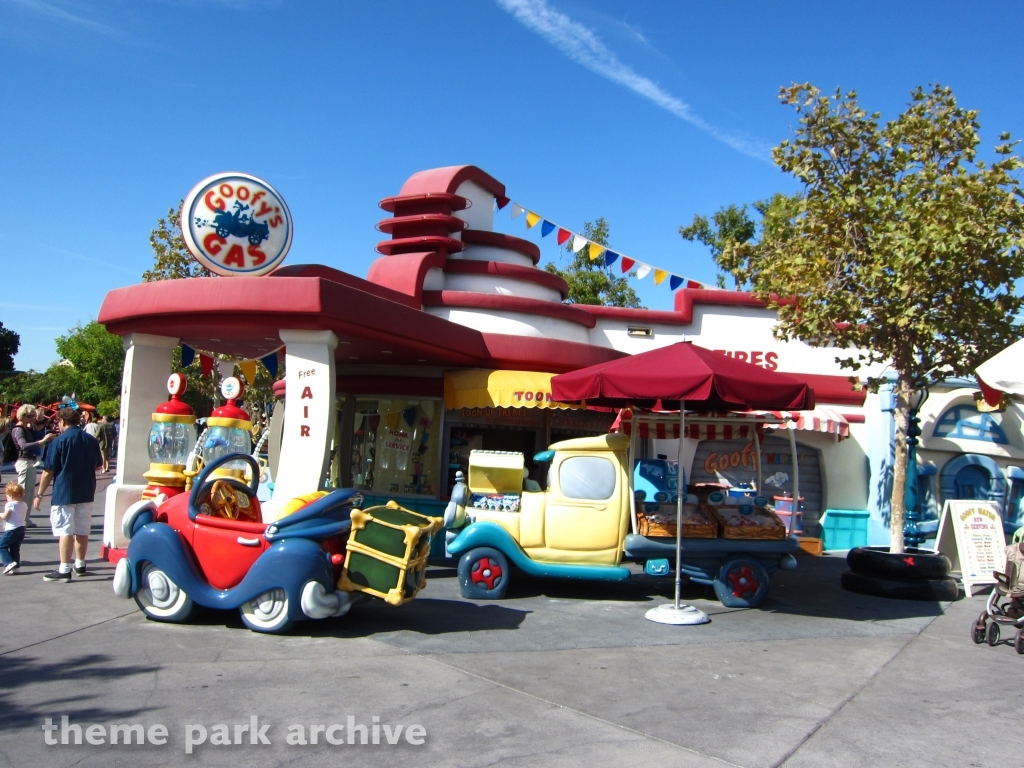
{"x": 696, "y": 523}
{"x": 387, "y": 552}
{"x": 810, "y": 545}
{"x": 760, "y": 524}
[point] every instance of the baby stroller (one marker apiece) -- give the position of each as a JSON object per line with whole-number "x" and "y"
{"x": 1005, "y": 605}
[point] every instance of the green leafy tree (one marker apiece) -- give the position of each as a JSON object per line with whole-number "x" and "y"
{"x": 589, "y": 280}
{"x": 905, "y": 247}
{"x": 29, "y": 387}
{"x": 10, "y": 342}
{"x": 171, "y": 259}
{"x": 730, "y": 234}
{"x": 92, "y": 363}
{"x": 728, "y": 225}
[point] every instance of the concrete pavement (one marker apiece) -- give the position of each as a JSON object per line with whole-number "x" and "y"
{"x": 559, "y": 674}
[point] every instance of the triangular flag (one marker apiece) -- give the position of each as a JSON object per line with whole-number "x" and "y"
{"x": 248, "y": 369}
{"x": 693, "y": 284}
{"x": 595, "y": 250}
{"x": 187, "y": 355}
{"x": 226, "y": 368}
{"x": 206, "y": 364}
{"x": 531, "y": 219}
{"x": 517, "y": 210}
{"x": 675, "y": 282}
{"x": 270, "y": 363}
{"x": 578, "y": 241}
{"x": 643, "y": 271}
{"x": 501, "y": 202}
{"x": 546, "y": 228}
{"x": 627, "y": 264}
{"x": 609, "y": 258}
{"x": 563, "y": 235}
{"x": 659, "y": 276}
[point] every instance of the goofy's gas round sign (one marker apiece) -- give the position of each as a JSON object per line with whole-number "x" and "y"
{"x": 236, "y": 224}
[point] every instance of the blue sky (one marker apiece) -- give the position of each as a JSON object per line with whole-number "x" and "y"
{"x": 644, "y": 113}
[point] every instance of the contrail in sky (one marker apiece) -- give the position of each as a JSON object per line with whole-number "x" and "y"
{"x": 584, "y": 47}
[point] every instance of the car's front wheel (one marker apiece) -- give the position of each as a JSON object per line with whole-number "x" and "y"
{"x": 267, "y": 612}
{"x": 160, "y": 598}
{"x": 483, "y": 574}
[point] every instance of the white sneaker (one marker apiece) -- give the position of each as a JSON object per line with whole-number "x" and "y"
{"x": 11, "y": 569}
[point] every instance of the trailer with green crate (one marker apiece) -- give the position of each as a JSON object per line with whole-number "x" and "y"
{"x": 387, "y": 552}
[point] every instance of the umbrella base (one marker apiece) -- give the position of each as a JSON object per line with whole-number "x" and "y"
{"x": 669, "y": 614}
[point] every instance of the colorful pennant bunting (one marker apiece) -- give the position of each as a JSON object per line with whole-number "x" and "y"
{"x": 248, "y": 369}
{"x": 595, "y": 250}
{"x": 187, "y": 355}
{"x": 270, "y": 363}
{"x": 206, "y": 365}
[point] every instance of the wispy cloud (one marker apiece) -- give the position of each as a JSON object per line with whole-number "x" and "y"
{"x": 59, "y": 14}
{"x": 91, "y": 260}
{"x": 584, "y": 47}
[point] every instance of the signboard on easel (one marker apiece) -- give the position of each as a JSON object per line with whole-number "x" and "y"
{"x": 971, "y": 535}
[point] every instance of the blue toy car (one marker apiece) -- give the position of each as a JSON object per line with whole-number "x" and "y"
{"x": 211, "y": 548}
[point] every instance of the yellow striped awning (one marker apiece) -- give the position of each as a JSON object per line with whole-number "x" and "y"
{"x": 501, "y": 389}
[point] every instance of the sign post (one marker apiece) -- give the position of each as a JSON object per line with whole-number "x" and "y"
{"x": 970, "y": 534}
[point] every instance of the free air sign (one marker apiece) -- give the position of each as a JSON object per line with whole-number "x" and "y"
{"x": 236, "y": 224}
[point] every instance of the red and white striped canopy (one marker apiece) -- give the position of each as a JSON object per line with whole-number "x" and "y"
{"x": 730, "y": 426}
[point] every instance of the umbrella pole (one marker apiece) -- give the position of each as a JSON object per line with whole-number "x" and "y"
{"x": 680, "y": 492}
{"x": 757, "y": 458}
{"x": 796, "y": 481}
{"x": 674, "y": 613}
{"x": 631, "y": 459}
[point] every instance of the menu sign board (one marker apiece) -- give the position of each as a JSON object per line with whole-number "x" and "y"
{"x": 971, "y": 536}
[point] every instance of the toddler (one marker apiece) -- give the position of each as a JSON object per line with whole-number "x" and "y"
{"x": 14, "y": 528}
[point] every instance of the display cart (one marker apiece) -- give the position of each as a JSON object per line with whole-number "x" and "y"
{"x": 738, "y": 563}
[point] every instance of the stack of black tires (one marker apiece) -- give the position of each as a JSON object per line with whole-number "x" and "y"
{"x": 917, "y": 574}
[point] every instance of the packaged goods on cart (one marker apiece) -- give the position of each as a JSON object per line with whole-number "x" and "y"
{"x": 739, "y": 520}
{"x": 659, "y": 520}
{"x": 497, "y": 502}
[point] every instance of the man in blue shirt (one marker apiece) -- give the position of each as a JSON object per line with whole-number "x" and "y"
{"x": 71, "y": 461}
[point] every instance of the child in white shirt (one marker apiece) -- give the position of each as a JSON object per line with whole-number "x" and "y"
{"x": 14, "y": 528}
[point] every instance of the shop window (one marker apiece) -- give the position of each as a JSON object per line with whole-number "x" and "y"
{"x": 966, "y": 423}
{"x": 394, "y": 446}
{"x": 587, "y": 477}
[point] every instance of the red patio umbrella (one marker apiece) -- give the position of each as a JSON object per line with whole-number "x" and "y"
{"x": 662, "y": 378}
{"x": 678, "y": 377}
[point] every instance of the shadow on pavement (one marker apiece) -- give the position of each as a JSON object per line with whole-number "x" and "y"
{"x": 370, "y": 617}
{"x": 813, "y": 589}
{"x": 86, "y": 678}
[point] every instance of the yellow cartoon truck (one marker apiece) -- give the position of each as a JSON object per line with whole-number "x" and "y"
{"x": 582, "y": 526}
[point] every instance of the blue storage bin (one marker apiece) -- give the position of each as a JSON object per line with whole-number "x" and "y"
{"x": 845, "y": 528}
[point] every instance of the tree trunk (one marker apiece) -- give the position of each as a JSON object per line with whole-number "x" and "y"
{"x": 898, "y": 506}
